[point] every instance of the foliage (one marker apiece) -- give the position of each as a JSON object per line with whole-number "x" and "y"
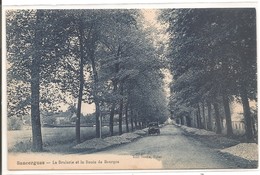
{"x": 103, "y": 57}
{"x": 212, "y": 54}
{"x": 14, "y": 123}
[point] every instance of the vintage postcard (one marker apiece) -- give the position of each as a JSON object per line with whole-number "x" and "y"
{"x": 165, "y": 87}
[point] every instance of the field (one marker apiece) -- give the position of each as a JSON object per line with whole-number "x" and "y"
{"x": 20, "y": 140}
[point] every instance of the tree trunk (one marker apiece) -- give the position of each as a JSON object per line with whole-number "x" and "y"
{"x": 140, "y": 125}
{"x": 182, "y": 121}
{"x": 209, "y": 116}
{"x": 98, "y": 122}
{"x": 228, "y": 115}
{"x": 199, "y": 117}
{"x": 114, "y": 82}
{"x": 96, "y": 100}
{"x": 79, "y": 102}
{"x": 35, "y": 108}
{"x": 247, "y": 114}
{"x": 111, "y": 119}
{"x": 217, "y": 118}
{"x": 35, "y": 90}
{"x": 120, "y": 118}
{"x": 91, "y": 43}
{"x": 126, "y": 117}
{"x": 112, "y": 112}
{"x": 81, "y": 83}
{"x": 204, "y": 116}
{"x": 135, "y": 120}
{"x": 121, "y": 109}
{"x": 188, "y": 120}
{"x": 143, "y": 123}
{"x": 131, "y": 120}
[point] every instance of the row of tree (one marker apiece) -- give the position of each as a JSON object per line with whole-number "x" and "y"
{"x": 212, "y": 56}
{"x": 103, "y": 57}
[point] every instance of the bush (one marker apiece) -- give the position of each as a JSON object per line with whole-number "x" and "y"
{"x": 14, "y": 123}
{"x": 49, "y": 119}
{"x": 25, "y": 146}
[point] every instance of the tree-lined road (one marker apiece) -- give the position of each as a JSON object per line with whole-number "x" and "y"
{"x": 110, "y": 58}
{"x": 103, "y": 56}
{"x": 175, "y": 149}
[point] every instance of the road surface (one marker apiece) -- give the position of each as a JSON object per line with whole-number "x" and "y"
{"x": 175, "y": 149}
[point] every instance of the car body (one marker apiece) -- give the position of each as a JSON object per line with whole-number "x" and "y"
{"x": 153, "y": 128}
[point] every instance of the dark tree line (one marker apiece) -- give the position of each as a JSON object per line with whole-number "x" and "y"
{"x": 212, "y": 56}
{"x": 102, "y": 57}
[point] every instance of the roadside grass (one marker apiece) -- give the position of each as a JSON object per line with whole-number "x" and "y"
{"x": 24, "y": 146}
{"x": 54, "y": 139}
{"x": 211, "y": 139}
{"x": 221, "y": 142}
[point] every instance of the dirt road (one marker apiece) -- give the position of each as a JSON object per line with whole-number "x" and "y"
{"x": 175, "y": 149}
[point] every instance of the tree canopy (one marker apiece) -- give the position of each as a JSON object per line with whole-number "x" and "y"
{"x": 212, "y": 54}
{"x": 97, "y": 56}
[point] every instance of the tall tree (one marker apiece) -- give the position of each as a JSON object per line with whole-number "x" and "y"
{"x": 214, "y": 38}
{"x": 31, "y": 53}
{"x": 209, "y": 109}
{"x": 35, "y": 84}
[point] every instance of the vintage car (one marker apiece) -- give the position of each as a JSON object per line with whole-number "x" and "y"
{"x": 153, "y": 128}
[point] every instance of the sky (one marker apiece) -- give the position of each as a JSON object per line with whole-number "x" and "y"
{"x": 150, "y": 15}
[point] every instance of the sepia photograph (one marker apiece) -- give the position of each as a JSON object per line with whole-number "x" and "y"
{"x": 131, "y": 88}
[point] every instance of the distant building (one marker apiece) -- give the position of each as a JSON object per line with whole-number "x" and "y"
{"x": 58, "y": 118}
